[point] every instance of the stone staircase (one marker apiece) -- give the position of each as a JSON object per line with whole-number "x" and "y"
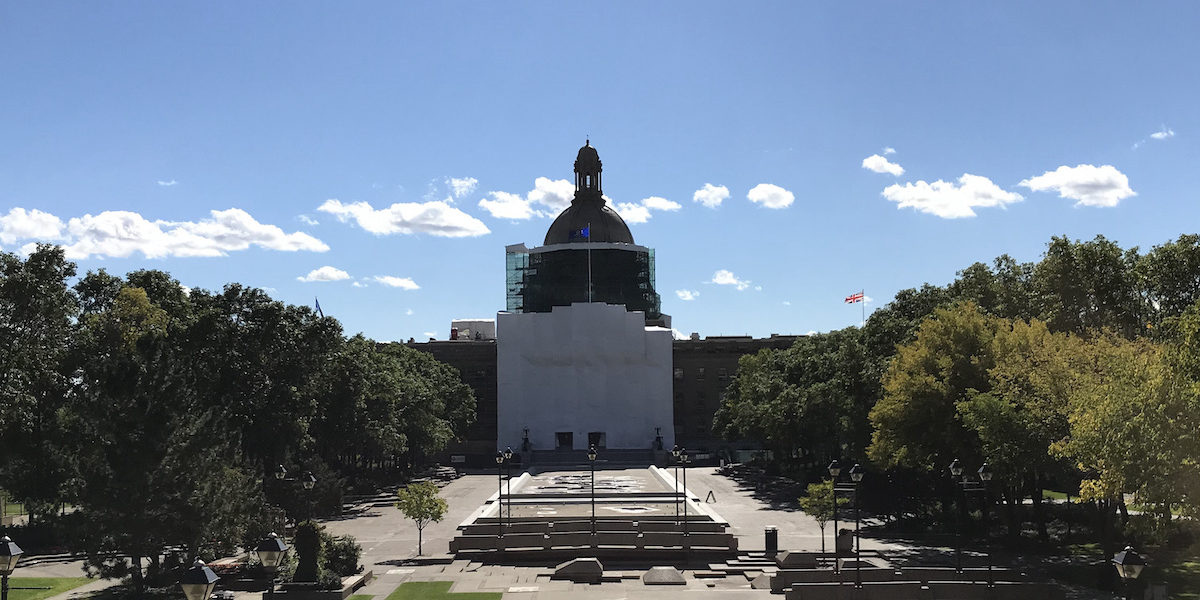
{"x": 607, "y": 458}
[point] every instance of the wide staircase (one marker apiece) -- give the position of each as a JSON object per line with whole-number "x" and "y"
{"x": 606, "y": 458}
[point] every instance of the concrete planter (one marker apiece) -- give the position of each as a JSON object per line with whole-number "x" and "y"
{"x": 309, "y": 591}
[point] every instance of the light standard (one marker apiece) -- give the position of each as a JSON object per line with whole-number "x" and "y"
{"x": 10, "y": 553}
{"x": 835, "y": 469}
{"x": 856, "y": 475}
{"x": 270, "y": 553}
{"x": 675, "y": 453}
{"x": 591, "y": 454}
{"x": 985, "y": 475}
{"x": 307, "y": 481}
{"x": 500, "y": 491}
{"x": 956, "y": 471}
{"x": 685, "y": 459}
{"x": 198, "y": 582}
{"x": 508, "y": 454}
{"x": 1129, "y": 566}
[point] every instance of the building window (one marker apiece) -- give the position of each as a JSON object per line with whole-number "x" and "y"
{"x": 700, "y": 373}
{"x": 678, "y": 372}
{"x": 722, "y": 374}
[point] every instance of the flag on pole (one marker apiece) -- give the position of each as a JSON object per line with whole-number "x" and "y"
{"x": 580, "y": 234}
{"x": 318, "y": 303}
{"x": 852, "y": 298}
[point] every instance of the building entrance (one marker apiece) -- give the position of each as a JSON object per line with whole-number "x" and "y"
{"x": 596, "y": 439}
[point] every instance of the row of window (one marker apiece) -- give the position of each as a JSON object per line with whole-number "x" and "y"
{"x": 722, "y": 373}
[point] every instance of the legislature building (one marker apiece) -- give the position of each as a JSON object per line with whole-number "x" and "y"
{"x": 583, "y": 356}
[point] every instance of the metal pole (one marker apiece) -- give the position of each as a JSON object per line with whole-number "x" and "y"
{"x": 677, "y": 492}
{"x": 271, "y": 585}
{"x": 958, "y": 526}
{"x": 4, "y": 588}
{"x": 592, "y": 468}
{"x": 508, "y": 484}
{"x": 685, "y": 499}
{"x": 857, "y": 543}
{"x": 987, "y": 541}
{"x": 500, "y": 495}
{"x": 836, "y": 566}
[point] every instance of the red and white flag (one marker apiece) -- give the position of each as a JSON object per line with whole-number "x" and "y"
{"x": 852, "y": 298}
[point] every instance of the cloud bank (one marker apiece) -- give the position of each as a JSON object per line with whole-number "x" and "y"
{"x": 770, "y": 196}
{"x": 1088, "y": 185}
{"x": 949, "y": 201}
{"x": 436, "y": 218}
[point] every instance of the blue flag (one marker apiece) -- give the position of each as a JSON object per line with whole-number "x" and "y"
{"x": 584, "y": 233}
{"x": 318, "y": 303}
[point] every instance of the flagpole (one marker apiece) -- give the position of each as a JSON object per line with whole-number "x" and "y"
{"x": 864, "y": 302}
{"x": 589, "y": 253}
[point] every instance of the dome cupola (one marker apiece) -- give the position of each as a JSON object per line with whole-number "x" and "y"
{"x": 588, "y": 218}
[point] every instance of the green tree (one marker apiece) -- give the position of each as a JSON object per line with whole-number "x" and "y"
{"x": 1083, "y": 287}
{"x": 818, "y": 504}
{"x": 421, "y": 503}
{"x": 1170, "y": 276}
{"x": 916, "y": 421}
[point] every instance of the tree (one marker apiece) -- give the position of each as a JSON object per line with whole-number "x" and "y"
{"x": 421, "y": 503}
{"x": 818, "y": 504}
{"x": 1084, "y": 287}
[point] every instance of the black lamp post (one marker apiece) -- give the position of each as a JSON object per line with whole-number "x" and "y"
{"x": 675, "y": 453}
{"x": 856, "y": 476}
{"x": 508, "y": 454}
{"x": 985, "y": 475}
{"x": 270, "y": 553}
{"x": 835, "y": 469}
{"x": 1129, "y": 566}
{"x": 10, "y": 553}
{"x": 500, "y": 491}
{"x": 198, "y": 582}
{"x": 956, "y": 471}
{"x": 591, "y": 454}
{"x": 685, "y": 459}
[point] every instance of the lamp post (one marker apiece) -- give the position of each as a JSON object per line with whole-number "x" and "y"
{"x": 500, "y": 491}
{"x": 10, "y": 553}
{"x": 270, "y": 553}
{"x": 985, "y": 475}
{"x": 956, "y": 471}
{"x": 508, "y": 454}
{"x": 591, "y": 454}
{"x": 1129, "y": 566}
{"x": 856, "y": 476}
{"x": 675, "y": 453}
{"x": 835, "y": 469}
{"x": 685, "y": 459}
{"x": 198, "y": 582}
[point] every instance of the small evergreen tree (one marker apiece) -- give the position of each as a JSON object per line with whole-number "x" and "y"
{"x": 420, "y": 502}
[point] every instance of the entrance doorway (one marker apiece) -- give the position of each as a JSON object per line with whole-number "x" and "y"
{"x": 597, "y": 439}
{"x": 564, "y": 440}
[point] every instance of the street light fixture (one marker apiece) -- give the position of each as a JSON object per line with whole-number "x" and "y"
{"x": 500, "y": 491}
{"x": 198, "y": 582}
{"x": 675, "y": 453}
{"x": 10, "y": 553}
{"x": 856, "y": 476}
{"x": 591, "y": 454}
{"x": 270, "y": 553}
{"x": 835, "y": 469}
{"x": 508, "y": 454}
{"x": 684, "y": 459}
{"x": 956, "y": 471}
{"x": 1129, "y": 566}
{"x": 985, "y": 475}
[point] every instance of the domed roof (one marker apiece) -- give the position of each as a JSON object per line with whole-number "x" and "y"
{"x": 603, "y": 224}
{"x": 588, "y": 160}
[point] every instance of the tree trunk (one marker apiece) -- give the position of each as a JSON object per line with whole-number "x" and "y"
{"x": 1012, "y": 524}
{"x": 420, "y": 533}
{"x": 1039, "y": 509}
{"x": 135, "y": 574}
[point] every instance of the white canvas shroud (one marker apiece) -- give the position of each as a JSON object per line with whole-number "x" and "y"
{"x": 583, "y": 368}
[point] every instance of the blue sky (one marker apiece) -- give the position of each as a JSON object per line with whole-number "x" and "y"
{"x": 402, "y": 144}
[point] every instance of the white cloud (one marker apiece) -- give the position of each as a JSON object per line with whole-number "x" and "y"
{"x": 1088, "y": 185}
{"x": 34, "y": 224}
{"x": 687, "y": 295}
{"x": 771, "y": 196}
{"x": 711, "y": 195}
{"x": 167, "y": 183}
{"x": 1163, "y": 133}
{"x": 326, "y": 273}
{"x": 640, "y": 212}
{"x": 409, "y": 312}
{"x": 307, "y": 220}
{"x": 359, "y": 284}
{"x": 435, "y": 218}
{"x": 889, "y": 150}
{"x": 880, "y": 164}
{"x": 787, "y": 303}
{"x": 950, "y": 201}
{"x": 397, "y": 282}
{"x": 122, "y": 233}
{"x": 504, "y": 205}
{"x": 724, "y": 277}
{"x": 430, "y": 334}
{"x": 461, "y": 186}
{"x": 758, "y": 288}
{"x": 547, "y": 198}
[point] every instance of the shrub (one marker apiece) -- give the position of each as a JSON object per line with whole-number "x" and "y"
{"x": 341, "y": 554}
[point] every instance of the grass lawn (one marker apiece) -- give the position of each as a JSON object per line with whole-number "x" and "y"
{"x": 1055, "y": 495}
{"x": 1183, "y": 579}
{"x": 57, "y": 586}
{"x": 437, "y": 590}
{"x": 360, "y": 597}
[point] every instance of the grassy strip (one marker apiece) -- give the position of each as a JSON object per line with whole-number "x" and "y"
{"x": 437, "y": 590}
{"x": 56, "y": 585}
{"x": 360, "y": 597}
